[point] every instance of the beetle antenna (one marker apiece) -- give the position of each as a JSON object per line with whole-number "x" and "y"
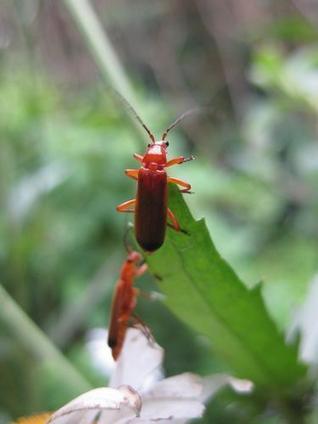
{"x": 133, "y": 111}
{"x": 178, "y": 120}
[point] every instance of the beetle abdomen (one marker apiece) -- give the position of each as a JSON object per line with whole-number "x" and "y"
{"x": 151, "y": 209}
{"x": 123, "y": 304}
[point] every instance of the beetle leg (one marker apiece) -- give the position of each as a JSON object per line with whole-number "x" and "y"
{"x": 187, "y": 186}
{"x": 182, "y": 231}
{"x": 125, "y": 207}
{"x": 144, "y": 294}
{"x": 178, "y": 161}
{"x": 141, "y": 293}
{"x": 173, "y": 219}
{"x": 132, "y": 173}
{"x": 141, "y": 270}
{"x": 138, "y": 157}
{"x": 137, "y": 322}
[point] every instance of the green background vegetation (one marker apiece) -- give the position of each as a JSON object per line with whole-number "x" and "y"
{"x": 64, "y": 144}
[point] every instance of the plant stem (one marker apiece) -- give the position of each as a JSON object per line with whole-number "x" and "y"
{"x": 37, "y": 344}
{"x": 104, "y": 54}
{"x": 97, "y": 290}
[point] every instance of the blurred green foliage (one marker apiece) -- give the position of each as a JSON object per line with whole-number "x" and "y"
{"x": 64, "y": 146}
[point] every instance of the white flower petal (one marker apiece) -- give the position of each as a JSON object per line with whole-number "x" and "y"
{"x": 157, "y": 409}
{"x": 139, "y": 363}
{"x": 241, "y": 386}
{"x": 114, "y": 416}
{"x": 113, "y": 405}
{"x": 186, "y": 385}
{"x": 212, "y": 384}
{"x": 172, "y": 400}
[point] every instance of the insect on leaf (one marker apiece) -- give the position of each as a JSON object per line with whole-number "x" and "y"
{"x": 204, "y": 292}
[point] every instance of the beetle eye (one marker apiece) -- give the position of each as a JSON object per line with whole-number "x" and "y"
{"x": 149, "y": 145}
{"x": 167, "y": 143}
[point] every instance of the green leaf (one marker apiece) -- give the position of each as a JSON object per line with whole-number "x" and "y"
{"x": 203, "y": 291}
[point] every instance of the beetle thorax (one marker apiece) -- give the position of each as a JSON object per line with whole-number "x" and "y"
{"x": 156, "y": 155}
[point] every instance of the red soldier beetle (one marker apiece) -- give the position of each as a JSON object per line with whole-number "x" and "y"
{"x": 124, "y": 302}
{"x": 151, "y": 203}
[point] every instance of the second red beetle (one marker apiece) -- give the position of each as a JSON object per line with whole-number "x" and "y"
{"x": 124, "y": 302}
{"x": 150, "y": 206}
